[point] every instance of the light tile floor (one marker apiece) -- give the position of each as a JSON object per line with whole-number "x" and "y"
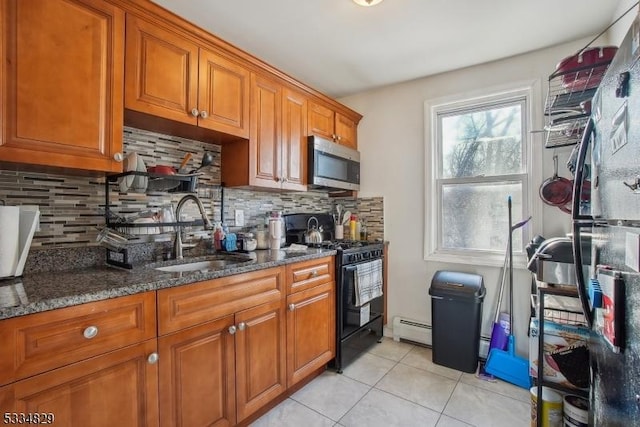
{"x": 397, "y": 384}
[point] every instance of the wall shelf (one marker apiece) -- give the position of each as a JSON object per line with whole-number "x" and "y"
{"x": 558, "y": 315}
{"x": 568, "y": 104}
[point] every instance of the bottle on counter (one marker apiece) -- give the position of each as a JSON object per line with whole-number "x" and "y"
{"x": 218, "y": 236}
{"x": 352, "y": 227}
{"x": 363, "y": 231}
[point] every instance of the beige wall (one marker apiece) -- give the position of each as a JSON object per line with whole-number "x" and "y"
{"x": 391, "y": 140}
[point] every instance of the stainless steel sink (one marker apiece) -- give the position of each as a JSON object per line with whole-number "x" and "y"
{"x": 197, "y": 266}
{"x": 216, "y": 263}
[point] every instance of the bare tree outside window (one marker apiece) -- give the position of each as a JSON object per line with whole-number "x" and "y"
{"x": 480, "y": 165}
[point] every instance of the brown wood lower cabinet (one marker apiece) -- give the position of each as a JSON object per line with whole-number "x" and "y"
{"x": 310, "y": 331}
{"x": 197, "y": 376}
{"x": 225, "y": 349}
{"x": 260, "y": 356}
{"x": 116, "y": 389}
{"x": 223, "y": 371}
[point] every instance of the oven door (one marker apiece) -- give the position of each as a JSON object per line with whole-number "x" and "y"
{"x": 352, "y": 317}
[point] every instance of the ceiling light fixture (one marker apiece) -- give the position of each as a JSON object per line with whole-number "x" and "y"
{"x": 367, "y": 2}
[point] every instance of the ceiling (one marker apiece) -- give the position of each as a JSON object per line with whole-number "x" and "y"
{"x": 340, "y": 48}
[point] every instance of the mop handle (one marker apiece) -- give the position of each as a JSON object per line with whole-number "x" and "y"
{"x": 510, "y": 269}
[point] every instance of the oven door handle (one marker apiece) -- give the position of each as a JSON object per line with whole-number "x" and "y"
{"x": 348, "y": 269}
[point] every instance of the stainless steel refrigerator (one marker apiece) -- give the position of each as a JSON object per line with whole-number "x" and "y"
{"x": 609, "y": 157}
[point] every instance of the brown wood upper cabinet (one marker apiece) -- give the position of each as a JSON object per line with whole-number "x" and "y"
{"x": 332, "y": 125}
{"x": 170, "y": 76}
{"x": 275, "y": 156}
{"x": 62, "y": 84}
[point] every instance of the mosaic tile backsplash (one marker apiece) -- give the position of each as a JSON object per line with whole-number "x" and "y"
{"x": 72, "y": 208}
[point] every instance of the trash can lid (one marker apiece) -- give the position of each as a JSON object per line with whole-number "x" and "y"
{"x": 457, "y": 285}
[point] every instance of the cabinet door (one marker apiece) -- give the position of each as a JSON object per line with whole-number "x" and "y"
{"x": 321, "y": 121}
{"x": 161, "y": 72}
{"x": 62, "y": 75}
{"x": 115, "y": 389}
{"x": 266, "y": 132}
{"x": 294, "y": 141}
{"x": 311, "y": 331}
{"x": 260, "y": 356}
{"x": 346, "y": 131}
{"x": 223, "y": 98}
{"x": 197, "y": 376}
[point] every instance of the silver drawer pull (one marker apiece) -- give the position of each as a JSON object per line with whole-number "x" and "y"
{"x": 314, "y": 273}
{"x": 241, "y": 326}
{"x": 292, "y": 307}
{"x": 153, "y": 358}
{"x": 232, "y": 329}
{"x": 90, "y": 332}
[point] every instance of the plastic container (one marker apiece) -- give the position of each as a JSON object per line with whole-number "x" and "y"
{"x": 456, "y": 309}
{"x": 576, "y": 411}
{"x": 551, "y": 407}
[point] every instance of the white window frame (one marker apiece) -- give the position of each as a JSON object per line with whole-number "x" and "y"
{"x": 532, "y": 161}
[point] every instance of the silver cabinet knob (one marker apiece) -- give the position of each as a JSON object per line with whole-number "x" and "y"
{"x": 118, "y": 157}
{"x": 153, "y": 358}
{"x": 232, "y": 329}
{"x": 90, "y": 332}
{"x": 339, "y": 138}
{"x": 195, "y": 112}
{"x": 334, "y": 136}
{"x": 204, "y": 114}
{"x": 292, "y": 307}
{"x": 284, "y": 179}
{"x": 241, "y": 326}
{"x": 314, "y": 273}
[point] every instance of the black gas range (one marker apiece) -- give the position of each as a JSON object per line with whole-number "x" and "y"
{"x": 358, "y": 325}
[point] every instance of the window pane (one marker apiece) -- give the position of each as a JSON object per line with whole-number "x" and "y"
{"x": 475, "y": 216}
{"x": 482, "y": 142}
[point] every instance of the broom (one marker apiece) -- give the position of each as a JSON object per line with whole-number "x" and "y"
{"x": 503, "y": 364}
{"x": 501, "y": 321}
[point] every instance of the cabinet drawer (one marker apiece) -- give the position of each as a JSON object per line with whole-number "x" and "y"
{"x": 190, "y": 305}
{"x": 307, "y": 274}
{"x": 44, "y": 341}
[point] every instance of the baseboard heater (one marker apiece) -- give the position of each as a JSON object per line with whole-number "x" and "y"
{"x": 421, "y": 333}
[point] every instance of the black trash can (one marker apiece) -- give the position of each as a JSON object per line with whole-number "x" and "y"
{"x": 456, "y": 310}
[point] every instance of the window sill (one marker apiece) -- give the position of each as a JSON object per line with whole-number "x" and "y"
{"x": 488, "y": 260}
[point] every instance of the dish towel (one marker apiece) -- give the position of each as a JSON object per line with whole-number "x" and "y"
{"x": 368, "y": 281}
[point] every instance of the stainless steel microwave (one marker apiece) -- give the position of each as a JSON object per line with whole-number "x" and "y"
{"x": 332, "y": 166}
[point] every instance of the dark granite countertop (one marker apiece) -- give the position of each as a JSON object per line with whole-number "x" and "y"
{"x": 44, "y": 291}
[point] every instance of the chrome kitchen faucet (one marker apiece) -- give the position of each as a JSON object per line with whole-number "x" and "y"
{"x": 179, "y": 246}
